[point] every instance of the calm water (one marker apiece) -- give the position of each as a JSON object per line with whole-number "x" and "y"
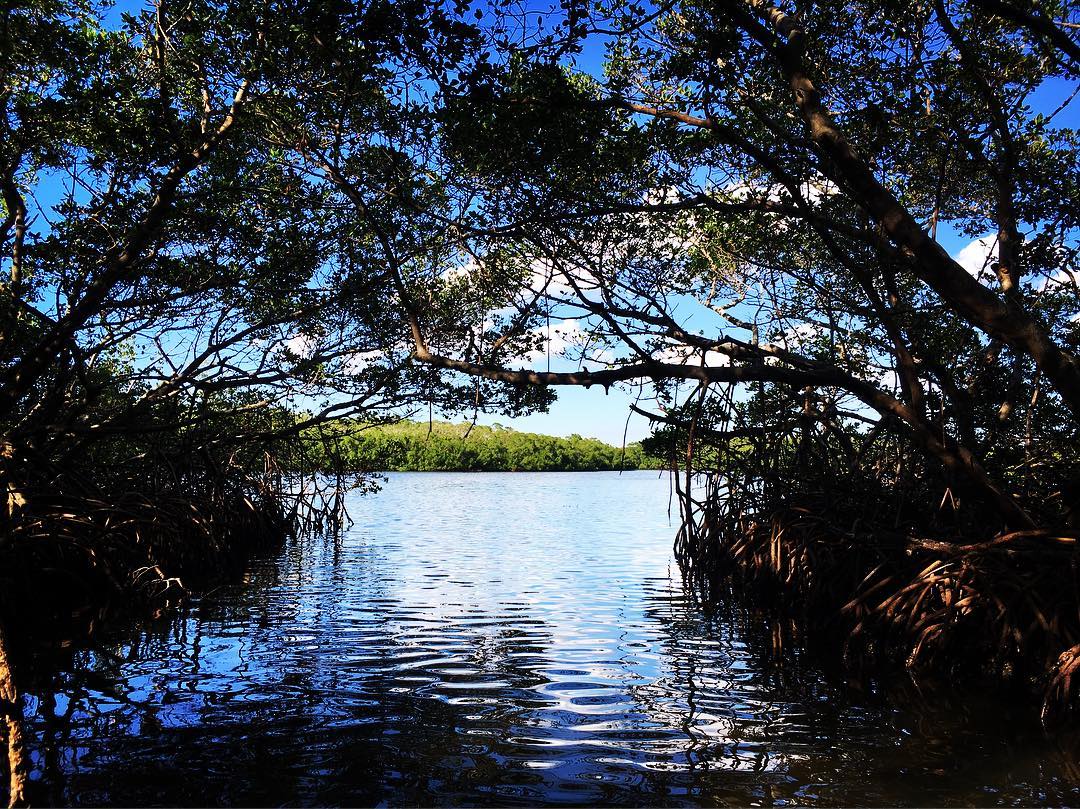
{"x": 504, "y": 639}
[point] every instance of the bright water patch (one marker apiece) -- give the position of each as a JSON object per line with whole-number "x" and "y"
{"x": 503, "y": 639}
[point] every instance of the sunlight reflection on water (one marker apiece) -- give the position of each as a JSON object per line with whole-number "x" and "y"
{"x": 497, "y": 639}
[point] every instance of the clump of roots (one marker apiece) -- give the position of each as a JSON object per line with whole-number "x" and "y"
{"x": 863, "y": 539}
{"x": 1007, "y": 608}
{"x": 73, "y": 550}
{"x": 65, "y": 552}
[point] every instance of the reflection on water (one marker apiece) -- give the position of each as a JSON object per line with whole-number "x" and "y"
{"x": 500, "y": 639}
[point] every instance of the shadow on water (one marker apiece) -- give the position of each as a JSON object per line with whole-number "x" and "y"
{"x": 505, "y": 639}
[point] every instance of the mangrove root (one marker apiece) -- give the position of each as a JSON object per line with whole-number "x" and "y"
{"x": 18, "y": 761}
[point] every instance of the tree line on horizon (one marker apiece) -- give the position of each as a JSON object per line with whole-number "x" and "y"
{"x": 413, "y": 446}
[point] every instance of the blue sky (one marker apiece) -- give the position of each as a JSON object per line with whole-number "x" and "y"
{"x": 590, "y": 413}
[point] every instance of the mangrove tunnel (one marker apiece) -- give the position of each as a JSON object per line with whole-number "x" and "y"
{"x": 811, "y": 269}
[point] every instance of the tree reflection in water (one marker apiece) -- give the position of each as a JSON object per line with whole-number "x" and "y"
{"x": 440, "y": 653}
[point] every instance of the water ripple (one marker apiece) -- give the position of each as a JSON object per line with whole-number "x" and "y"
{"x": 500, "y": 639}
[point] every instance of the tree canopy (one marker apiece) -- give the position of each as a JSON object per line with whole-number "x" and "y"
{"x": 772, "y": 226}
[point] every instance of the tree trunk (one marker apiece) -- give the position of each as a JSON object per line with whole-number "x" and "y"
{"x": 11, "y": 715}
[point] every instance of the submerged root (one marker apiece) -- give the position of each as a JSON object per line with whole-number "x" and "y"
{"x": 1007, "y": 608}
{"x": 65, "y": 553}
{"x": 1063, "y": 692}
{"x": 73, "y": 553}
{"x": 74, "y": 558}
{"x": 69, "y": 554}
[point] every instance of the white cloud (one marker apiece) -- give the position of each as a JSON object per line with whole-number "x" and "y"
{"x": 977, "y": 256}
{"x": 558, "y": 338}
{"x": 463, "y": 270}
{"x": 813, "y": 190}
{"x": 660, "y": 196}
{"x": 562, "y": 338}
{"x": 679, "y": 354}
{"x": 1063, "y": 277}
{"x": 886, "y": 378}
{"x": 360, "y": 362}
{"x": 302, "y": 345}
{"x": 553, "y": 279}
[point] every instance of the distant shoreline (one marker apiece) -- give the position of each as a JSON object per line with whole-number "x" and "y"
{"x": 657, "y": 470}
{"x": 410, "y": 446}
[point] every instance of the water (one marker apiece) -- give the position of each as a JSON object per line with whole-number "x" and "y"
{"x": 504, "y": 639}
